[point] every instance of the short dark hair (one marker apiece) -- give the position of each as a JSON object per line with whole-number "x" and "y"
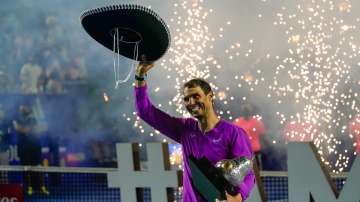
{"x": 204, "y": 85}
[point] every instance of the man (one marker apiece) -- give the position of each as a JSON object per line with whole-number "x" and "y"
{"x": 254, "y": 128}
{"x": 29, "y": 147}
{"x": 208, "y": 136}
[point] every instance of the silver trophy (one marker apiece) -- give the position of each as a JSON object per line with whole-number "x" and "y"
{"x": 234, "y": 170}
{"x": 213, "y": 181}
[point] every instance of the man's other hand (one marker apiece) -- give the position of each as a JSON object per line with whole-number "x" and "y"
{"x": 236, "y": 198}
{"x": 229, "y": 198}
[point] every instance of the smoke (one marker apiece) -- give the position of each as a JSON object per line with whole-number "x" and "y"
{"x": 51, "y": 30}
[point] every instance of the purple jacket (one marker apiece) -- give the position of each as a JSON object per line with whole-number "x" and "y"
{"x": 224, "y": 141}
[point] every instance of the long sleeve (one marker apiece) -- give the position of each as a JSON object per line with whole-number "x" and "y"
{"x": 241, "y": 147}
{"x": 170, "y": 126}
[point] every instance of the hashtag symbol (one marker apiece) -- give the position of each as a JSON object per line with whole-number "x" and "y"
{"x": 158, "y": 176}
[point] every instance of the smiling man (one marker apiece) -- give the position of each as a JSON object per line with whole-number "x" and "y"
{"x": 205, "y": 136}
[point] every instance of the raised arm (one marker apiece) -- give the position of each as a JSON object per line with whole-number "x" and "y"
{"x": 170, "y": 126}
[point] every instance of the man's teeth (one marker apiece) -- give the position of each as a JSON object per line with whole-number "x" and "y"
{"x": 196, "y": 108}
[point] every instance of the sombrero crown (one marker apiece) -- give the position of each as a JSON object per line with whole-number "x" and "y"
{"x": 132, "y": 24}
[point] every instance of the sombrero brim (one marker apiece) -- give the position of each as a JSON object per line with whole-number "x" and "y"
{"x": 135, "y": 23}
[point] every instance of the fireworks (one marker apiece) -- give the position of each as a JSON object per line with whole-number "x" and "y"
{"x": 313, "y": 76}
{"x": 176, "y": 156}
{"x": 322, "y": 51}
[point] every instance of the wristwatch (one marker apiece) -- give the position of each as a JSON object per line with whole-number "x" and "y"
{"x": 139, "y": 78}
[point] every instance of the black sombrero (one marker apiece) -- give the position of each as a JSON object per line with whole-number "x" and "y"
{"x": 133, "y": 25}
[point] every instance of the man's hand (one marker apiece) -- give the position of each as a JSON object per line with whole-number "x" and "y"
{"x": 142, "y": 69}
{"x": 230, "y": 198}
{"x": 236, "y": 198}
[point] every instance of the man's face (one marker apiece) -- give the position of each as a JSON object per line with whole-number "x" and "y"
{"x": 196, "y": 102}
